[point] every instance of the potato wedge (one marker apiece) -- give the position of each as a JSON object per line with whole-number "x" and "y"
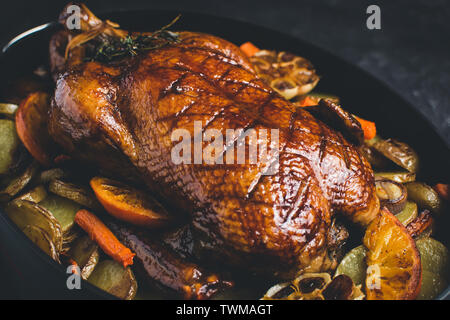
{"x": 398, "y": 152}
{"x": 16, "y": 184}
{"x": 425, "y": 196}
{"x": 85, "y": 253}
{"x": 35, "y": 195}
{"x": 8, "y": 110}
{"x": 9, "y": 144}
{"x": 75, "y": 193}
{"x": 111, "y": 277}
{"x": 398, "y": 176}
{"x": 63, "y": 210}
{"x": 42, "y": 240}
{"x": 31, "y": 125}
{"x": 23, "y": 213}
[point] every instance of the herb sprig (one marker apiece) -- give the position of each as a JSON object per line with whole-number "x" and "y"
{"x": 108, "y": 48}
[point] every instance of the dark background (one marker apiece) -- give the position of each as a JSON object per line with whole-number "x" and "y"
{"x": 410, "y": 53}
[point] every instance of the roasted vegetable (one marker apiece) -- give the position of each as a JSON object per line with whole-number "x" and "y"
{"x": 435, "y": 266}
{"x": 354, "y": 265}
{"x": 408, "y": 214}
{"x": 393, "y": 261}
{"x": 421, "y": 225}
{"x": 424, "y": 196}
{"x": 129, "y": 204}
{"x": 307, "y": 286}
{"x": 52, "y": 174}
{"x": 392, "y": 195}
{"x": 63, "y": 210}
{"x": 13, "y": 186}
{"x": 111, "y": 277}
{"x": 376, "y": 159}
{"x": 31, "y": 125}
{"x": 75, "y": 193}
{"x": 23, "y": 213}
{"x": 104, "y": 237}
{"x": 85, "y": 253}
{"x": 340, "y": 288}
{"x": 398, "y": 176}
{"x": 8, "y": 110}
{"x": 35, "y": 195}
{"x": 9, "y": 144}
{"x": 249, "y": 49}
{"x": 286, "y": 73}
{"x": 398, "y": 152}
{"x": 369, "y": 128}
{"x": 42, "y": 240}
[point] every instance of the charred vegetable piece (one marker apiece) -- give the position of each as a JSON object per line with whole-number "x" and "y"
{"x": 9, "y": 144}
{"x": 339, "y": 119}
{"x": 340, "y": 288}
{"x": 307, "y": 286}
{"x": 23, "y": 213}
{"x": 64, "y": 210}
{"x": 421, "y": 225}
{"x": 408, "y": 214}
{"x": 286, "y": 73}
{"x": 8, "y": 110}
{"x": 424, "y": 196}
{"x": 75, "y": 193}
{"x": 52, "y": 174}
{"x": 85, "y": 253}
{"x": 398, "y": 152}
{"x": 376, "y": 159}
{"x": 111, "y": 277}
{"x": 317, "y": 96}
{"x": 129, "y": 204}
{"x": 399, "y": 176}
{"x": 392, "y": 195}
{"x": 35, "y": 195}
{"x": 15, "y": 185}
{"x": 435, "y": 265}
{"x": 42, "y": 240}
{"x": 31, "y": 125}
{"x": 354, "y": 265}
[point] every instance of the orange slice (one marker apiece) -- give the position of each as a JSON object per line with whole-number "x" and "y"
{"x": 394, "y": 270}
{"x": 31, "y": 125}
{"x": 129, "y": 204}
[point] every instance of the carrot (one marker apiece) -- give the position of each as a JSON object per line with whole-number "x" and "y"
{"x": 442, "y": 190}
{"x": 308, "y": 101}
{"x": 370, "y": 131}
{"x": 249, "y": 49}
{"x": 104, "y": 237}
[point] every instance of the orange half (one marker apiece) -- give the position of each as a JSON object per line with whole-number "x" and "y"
{"x": 129, "y": 204}
{"x": 394, "y": 270}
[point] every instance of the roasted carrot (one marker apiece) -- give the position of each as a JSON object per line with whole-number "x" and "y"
{"x": 249, "y": 49}
{"x": 104, "y": 237}
{"x": 308, "y": 101}
{"x": 369, "y": 128}
{"x": 442, "y": 190}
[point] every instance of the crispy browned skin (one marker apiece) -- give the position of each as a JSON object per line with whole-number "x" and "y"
{"x": 121, "y": 116}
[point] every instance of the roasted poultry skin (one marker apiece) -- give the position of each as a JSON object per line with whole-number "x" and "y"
{"x": 120, "y": 116}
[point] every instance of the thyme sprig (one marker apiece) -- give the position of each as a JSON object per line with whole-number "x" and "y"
{"x": 108, "y": 48}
